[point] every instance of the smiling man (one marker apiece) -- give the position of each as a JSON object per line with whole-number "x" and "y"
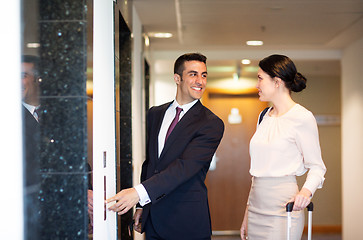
{"x": 182, "y": 135}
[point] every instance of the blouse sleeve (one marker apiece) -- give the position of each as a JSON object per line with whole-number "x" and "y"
{"x": 307, "y": 140}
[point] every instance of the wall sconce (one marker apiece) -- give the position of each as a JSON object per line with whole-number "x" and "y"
{"x": 234, "y": 117}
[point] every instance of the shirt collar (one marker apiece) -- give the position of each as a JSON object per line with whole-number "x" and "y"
{"x": 30, "y": 108}
{"x": 185, "y": 107}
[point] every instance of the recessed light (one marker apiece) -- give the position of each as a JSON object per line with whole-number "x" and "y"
{"x": 254, "y": 43}
{"x": 246, "y": 61}
{"x": 160, "y": 34}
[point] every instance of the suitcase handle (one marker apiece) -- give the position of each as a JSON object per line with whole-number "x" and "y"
{"x": 290, "y": 206}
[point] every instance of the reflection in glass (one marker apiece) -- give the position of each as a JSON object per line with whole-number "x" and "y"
{"x": 54, "y": 94}
{"x": 31, "y": 128}
{"x": 31, "y": 118}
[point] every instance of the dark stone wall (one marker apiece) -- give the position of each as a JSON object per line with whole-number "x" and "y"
{"x": 123, "y": 84}
{"x": 63, "y": 125}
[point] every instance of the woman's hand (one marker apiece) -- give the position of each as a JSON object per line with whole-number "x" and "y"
{"x": 301, "y": 200}
{"x": 244, "y": 232}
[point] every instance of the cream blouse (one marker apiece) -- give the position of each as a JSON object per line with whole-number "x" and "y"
{"x": 288, "y": 145}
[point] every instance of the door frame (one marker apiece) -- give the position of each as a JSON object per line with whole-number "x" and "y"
{"x": 104, "y": 144}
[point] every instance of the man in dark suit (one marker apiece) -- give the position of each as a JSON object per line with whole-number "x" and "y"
{"x": 172, "y": 190}
{"x": 30, "y": 96}
{"x": 31, "y": 130}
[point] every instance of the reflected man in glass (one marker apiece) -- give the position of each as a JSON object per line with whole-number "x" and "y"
{"x": 31, "y": 127}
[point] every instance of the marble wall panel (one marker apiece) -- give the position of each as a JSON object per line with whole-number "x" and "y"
{"x": 63, "y": 126}
{"x": 63, "y": 134}
{"x": 63, "y": 209}
{"x": 125, "y": 138}
{"x": 64, "y": 10}
{"x": 63, "y": 58}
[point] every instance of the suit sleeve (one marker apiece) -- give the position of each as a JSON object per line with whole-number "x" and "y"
{"x": 195, "y": 159}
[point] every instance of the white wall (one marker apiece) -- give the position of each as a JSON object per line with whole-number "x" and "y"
{"x": 162, "y": 77}
{"x": 352, "y": 146}
{"x": 165, "y": 89}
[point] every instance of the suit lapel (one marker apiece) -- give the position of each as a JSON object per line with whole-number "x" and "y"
{"x": 187, "y": 119}
{"x": 154, "y": 132}
{"x": 29, "y": 117}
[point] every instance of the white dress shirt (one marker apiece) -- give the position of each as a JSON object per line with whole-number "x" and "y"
{"x": 288, "y": 145}
{"x": 168, "y": 118}
{"x": 31, "y": 109}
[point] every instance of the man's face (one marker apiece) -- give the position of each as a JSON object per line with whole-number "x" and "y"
{"x": 30, "y": 84}
{"x": 191, "y": 85}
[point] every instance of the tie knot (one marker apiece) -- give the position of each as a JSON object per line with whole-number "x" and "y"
{"x": 178, "y": 110}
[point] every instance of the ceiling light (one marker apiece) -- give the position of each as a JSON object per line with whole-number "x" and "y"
{"x": 33, "y": 45}
{"x": 160, "y": 35}
{"x": 254, "y": 43}
{"x": 246, "y": 61}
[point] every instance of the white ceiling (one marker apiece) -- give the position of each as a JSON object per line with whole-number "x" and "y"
{"x": 311, "y": 32}
{"x": 228, "y": 24}
{"x": 283, "y": 25}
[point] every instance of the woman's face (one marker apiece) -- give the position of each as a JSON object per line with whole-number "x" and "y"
{"x": 266, "y": 86}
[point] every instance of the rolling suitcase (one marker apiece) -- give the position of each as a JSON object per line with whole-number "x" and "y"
{"x": 310, "y": 208}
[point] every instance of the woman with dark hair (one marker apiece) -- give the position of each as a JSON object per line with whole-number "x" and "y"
{"x": 285, "y": 145}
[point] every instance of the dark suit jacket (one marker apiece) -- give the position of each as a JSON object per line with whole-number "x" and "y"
{"x": 31, "y": 132}
{"x": 31, "y": 148}
{"x": 175, "y": 182}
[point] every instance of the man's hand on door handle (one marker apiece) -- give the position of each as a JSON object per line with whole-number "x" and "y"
{"x": 125, "y": 200}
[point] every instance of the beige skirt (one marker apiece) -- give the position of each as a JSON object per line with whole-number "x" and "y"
{"x": 267, "y": 217}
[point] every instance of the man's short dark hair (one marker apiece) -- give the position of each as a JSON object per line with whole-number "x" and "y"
{"x": 32, "y": 59}
{"x": 179, "y": 63}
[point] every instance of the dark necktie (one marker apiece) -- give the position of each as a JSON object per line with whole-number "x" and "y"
{"x": 36, "y": 114}
{"x": 174, "y": 122}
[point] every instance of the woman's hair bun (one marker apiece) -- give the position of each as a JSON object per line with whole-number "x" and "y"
{"x": 283, "y": 67}
{"x": 299, "y": 83}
